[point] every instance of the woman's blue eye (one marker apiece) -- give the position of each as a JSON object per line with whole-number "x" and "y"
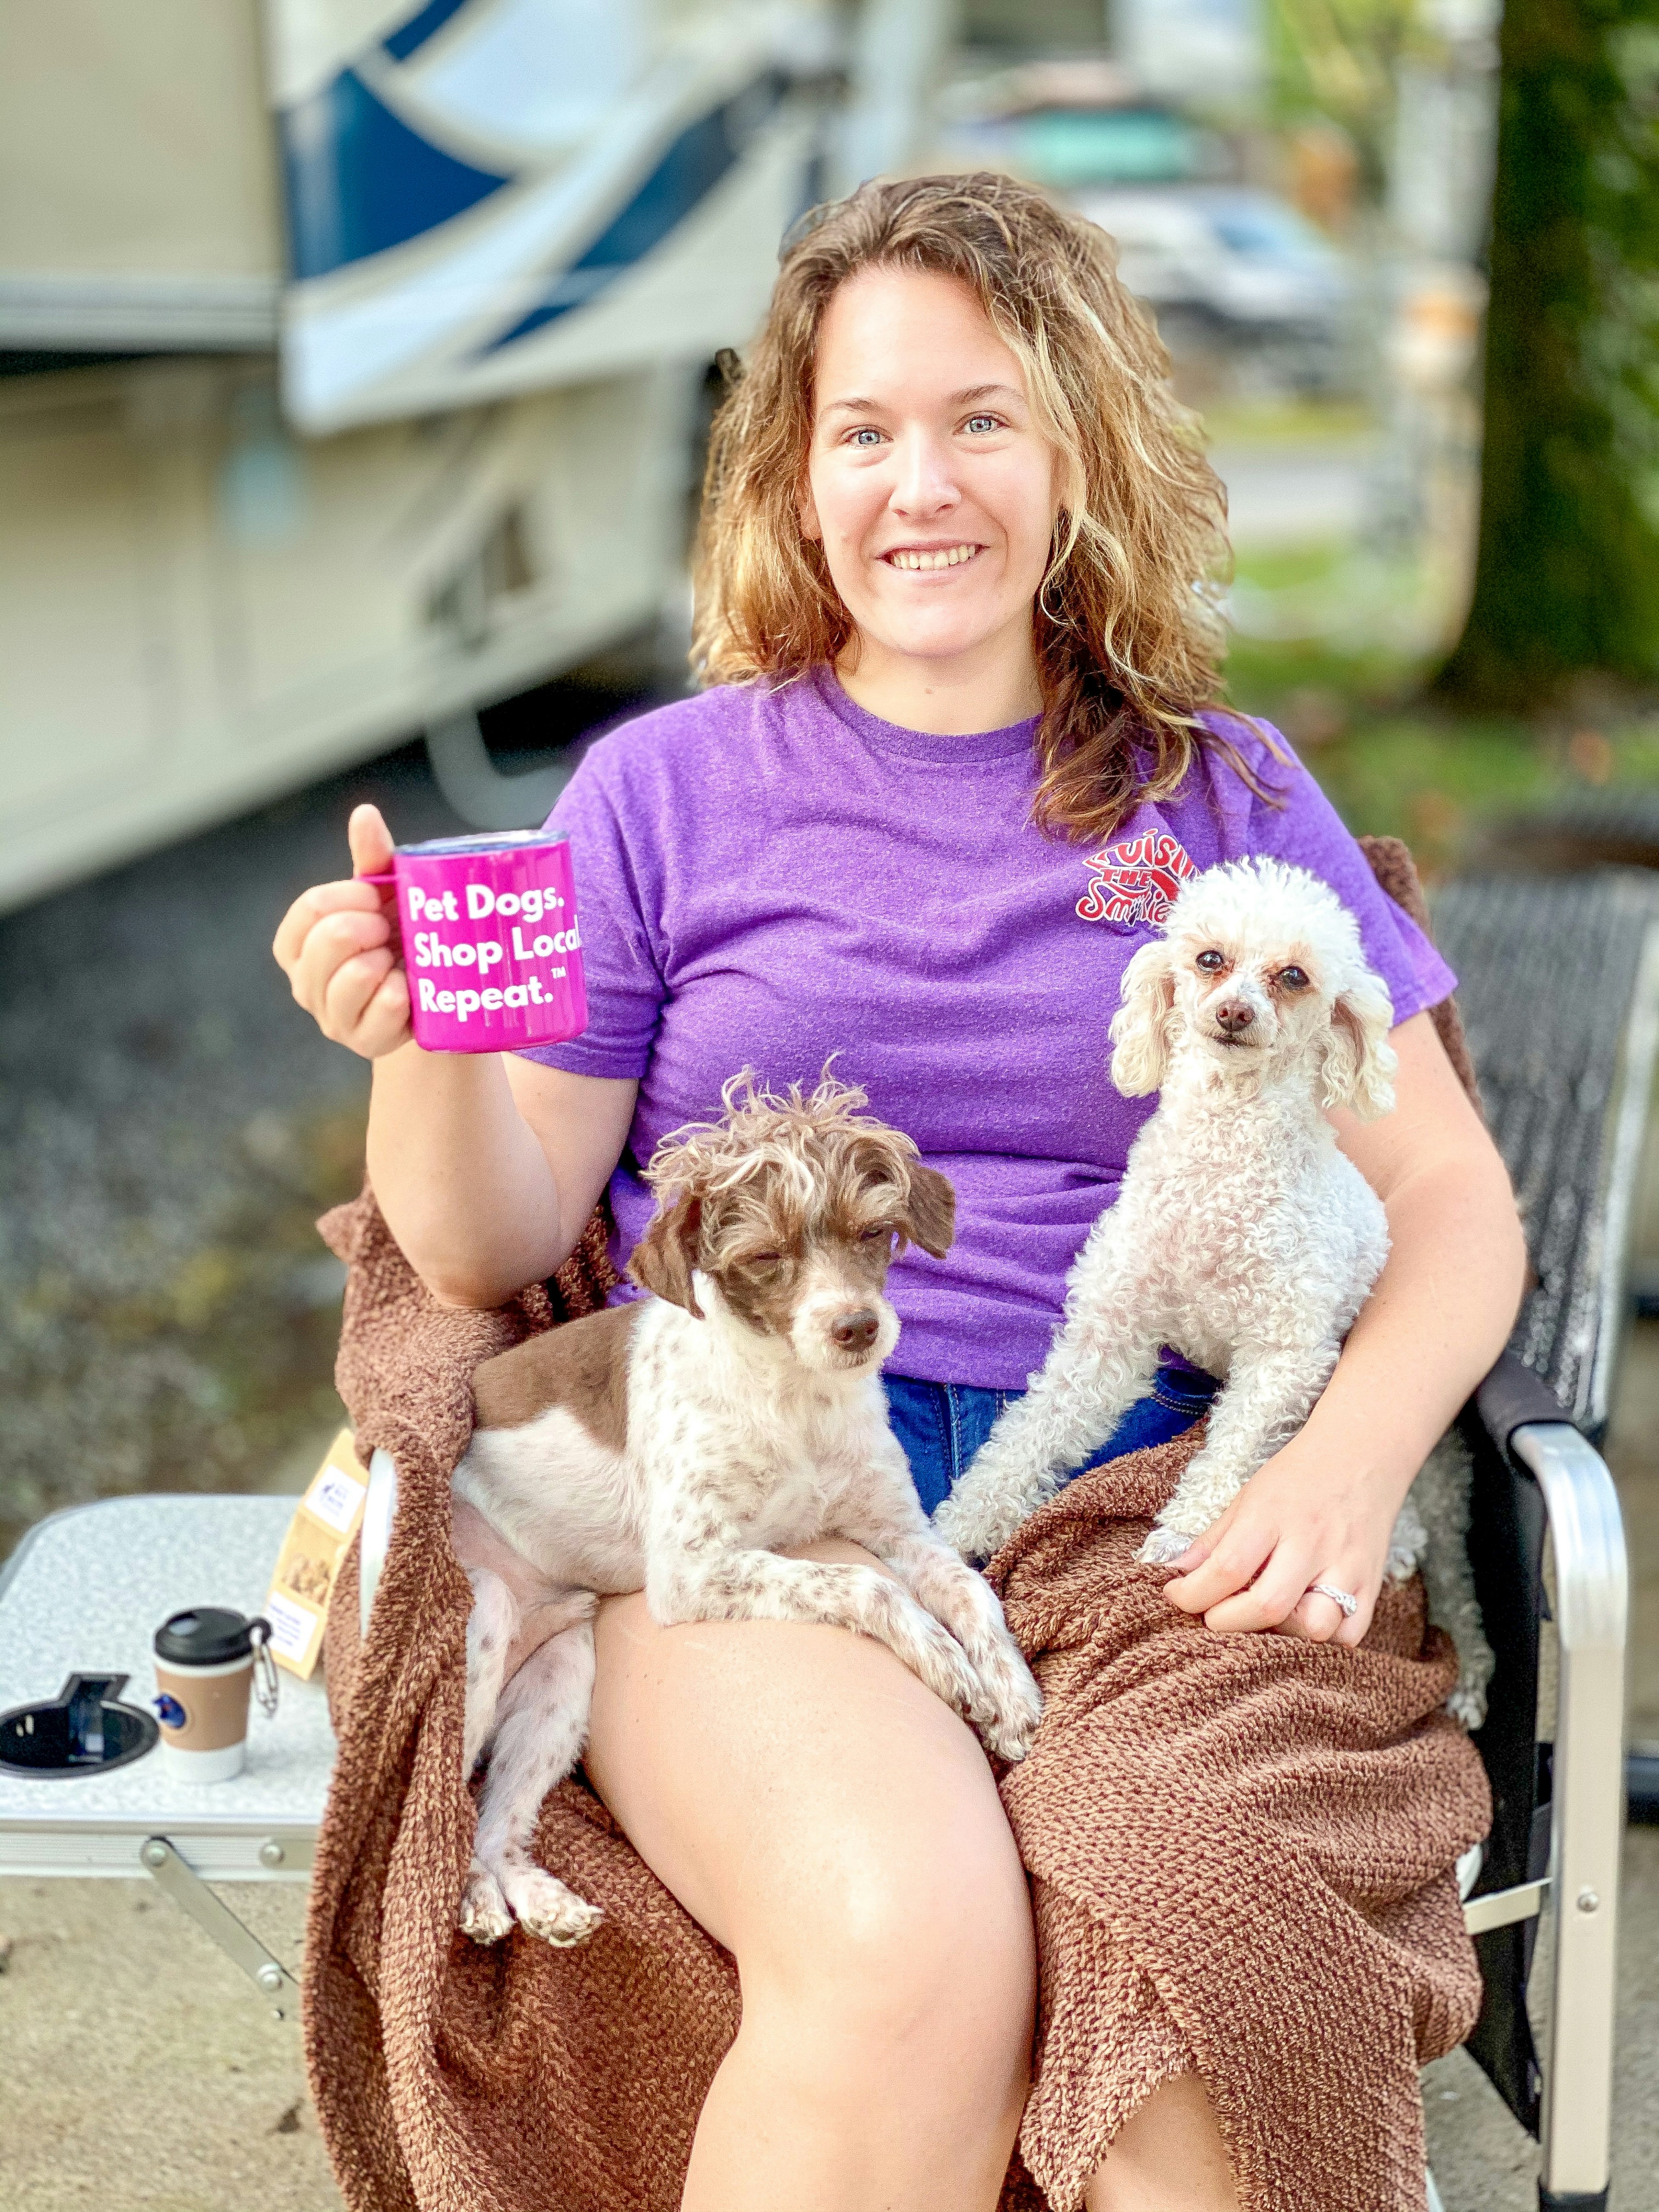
{"x": 983, "y": 422}
{"x": 866, "y": 436}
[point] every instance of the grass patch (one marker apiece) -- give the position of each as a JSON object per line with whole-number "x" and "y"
{"x": 1393, "y": 762}
{"x": 1286, "y": 419}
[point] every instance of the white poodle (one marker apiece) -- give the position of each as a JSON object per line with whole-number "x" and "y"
{"x": 1241, "y": 1236}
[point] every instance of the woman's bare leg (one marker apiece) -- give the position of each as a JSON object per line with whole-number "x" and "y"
{"x": 1167, "y": 2157}
{"x": 837, "y": 1828}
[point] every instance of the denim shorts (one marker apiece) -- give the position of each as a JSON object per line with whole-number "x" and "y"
{"x": 942, "y": 1424}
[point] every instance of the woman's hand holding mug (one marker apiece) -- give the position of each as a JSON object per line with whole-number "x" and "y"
{"x": 489, "y": 921}
{"x": 338, "y": 946}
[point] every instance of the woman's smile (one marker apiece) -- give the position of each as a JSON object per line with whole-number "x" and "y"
{"x": 929, "y": 560}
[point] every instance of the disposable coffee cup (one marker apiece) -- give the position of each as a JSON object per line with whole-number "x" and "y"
{"x": 204, "y": 1663}
{"x": 490, "y": 941}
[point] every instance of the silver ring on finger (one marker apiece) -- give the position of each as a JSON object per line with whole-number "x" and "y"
{"x": 1344, "y": 1599}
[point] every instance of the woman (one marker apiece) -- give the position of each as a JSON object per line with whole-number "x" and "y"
{"x": 954, "y": 609}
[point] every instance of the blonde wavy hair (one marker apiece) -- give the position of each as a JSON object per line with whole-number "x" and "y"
{"x": 1127, "y": 628}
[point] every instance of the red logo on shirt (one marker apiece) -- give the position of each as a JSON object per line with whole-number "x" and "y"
{"x": 1138, "y": 880}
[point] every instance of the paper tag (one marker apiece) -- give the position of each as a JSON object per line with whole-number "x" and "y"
{"x": 292, "y": 1628}
{"x": 317, "y": 1540}
{"x": 334, "y": 1499}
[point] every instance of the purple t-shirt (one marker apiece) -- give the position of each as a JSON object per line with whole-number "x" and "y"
{"x": 768, "y": 876}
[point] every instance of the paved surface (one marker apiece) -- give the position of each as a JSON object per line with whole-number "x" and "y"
{"x": 1274, "y": 498}
{"x": 1482, "y": 2159}
{"x": 139, "y": 2070}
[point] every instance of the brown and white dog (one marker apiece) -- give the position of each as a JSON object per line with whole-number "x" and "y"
{"x": 676, "y": 1444}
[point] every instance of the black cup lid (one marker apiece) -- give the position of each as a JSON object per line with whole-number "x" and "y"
{"x": 203, "y": 1636}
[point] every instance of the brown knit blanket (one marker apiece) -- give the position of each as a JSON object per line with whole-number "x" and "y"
{"x": 1240, "y": 1849}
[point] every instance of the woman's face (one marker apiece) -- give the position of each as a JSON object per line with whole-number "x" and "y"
{"x": 929, "y": 486}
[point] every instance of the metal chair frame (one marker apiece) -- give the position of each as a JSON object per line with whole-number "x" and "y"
{"x": 1558, "y": 1818}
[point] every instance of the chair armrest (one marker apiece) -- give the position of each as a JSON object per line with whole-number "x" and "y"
{"x": 1511, "y": 1398}
{"x": 379, "y": 1508}
{"x": 1588, "y": 1810}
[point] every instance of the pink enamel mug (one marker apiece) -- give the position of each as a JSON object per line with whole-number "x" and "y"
{"x": 490, "y": 941}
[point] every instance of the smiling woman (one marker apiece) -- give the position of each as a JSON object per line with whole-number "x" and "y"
{"x": 952, "y": 379}
{"x": 956, "y": 756}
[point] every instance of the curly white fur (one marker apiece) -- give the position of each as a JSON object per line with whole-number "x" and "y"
{"x": 1241, "y": 1235}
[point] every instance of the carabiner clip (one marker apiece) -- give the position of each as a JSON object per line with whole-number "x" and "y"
{"x": 264, "y": 1667}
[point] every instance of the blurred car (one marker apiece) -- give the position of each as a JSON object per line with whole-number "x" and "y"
{"x": 1072, "y": 124}
{"x": 1231, "y": 265}
{"x": 1069, "y": 147}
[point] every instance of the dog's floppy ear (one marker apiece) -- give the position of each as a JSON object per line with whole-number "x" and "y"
{"x": 663, "y": 1259}
{"x": 1140, "y": 1027}
{"x": 1360, "y": 1064}
{"x": 929, "y": 1217}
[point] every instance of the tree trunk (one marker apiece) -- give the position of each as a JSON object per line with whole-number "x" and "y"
{"x": 1567, "y": 574}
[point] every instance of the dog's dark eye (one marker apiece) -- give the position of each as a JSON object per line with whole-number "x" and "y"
{"x": 764, "y": 1259}
{"x": 1211, "y": 961}
{"x": 871, "y": 1236}
{"x": 1293, "y": 979}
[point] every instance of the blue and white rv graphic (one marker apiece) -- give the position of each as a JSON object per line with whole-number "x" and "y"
{"x": 486, "y": 196}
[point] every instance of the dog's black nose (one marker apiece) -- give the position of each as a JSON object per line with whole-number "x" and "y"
{"x": 855, "y": 1332}
{"x": 1234, "y": 1014}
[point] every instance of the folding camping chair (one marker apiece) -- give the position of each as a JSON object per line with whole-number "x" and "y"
{"x": 1559, "y": 993}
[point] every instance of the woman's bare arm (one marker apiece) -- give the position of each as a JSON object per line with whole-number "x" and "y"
{"x": 1322, "y": 1509}
{"x": 486, "y": 1166}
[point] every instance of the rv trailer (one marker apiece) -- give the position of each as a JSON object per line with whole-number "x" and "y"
{"x": 354, "y": 354}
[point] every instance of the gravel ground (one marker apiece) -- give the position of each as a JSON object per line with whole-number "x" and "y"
{"x": 172, "y": 1125}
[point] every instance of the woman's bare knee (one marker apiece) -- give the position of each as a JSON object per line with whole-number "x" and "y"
{"x": 932, "y": 1947}
{"x": 898, "y": 2009}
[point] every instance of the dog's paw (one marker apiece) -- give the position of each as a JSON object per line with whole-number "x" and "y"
{"x": 952, "y": 1525}
{"x": 548, "y": 1909}
{"x": 1468, "y": 1704}
{"x": 1408, "y": 1542}
{"x": 981, "y": 1514}
{"x": 955, "y": 1678}
{"x": 484, "y": 1915}
{"x": 1010, "y": 1731}
{"x": 1163, "y": 1547}
{"x": 1012, "y": 1706}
